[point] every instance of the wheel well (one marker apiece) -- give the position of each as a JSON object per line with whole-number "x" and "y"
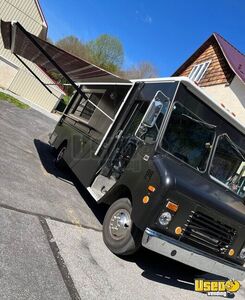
{"x": 118, "y": 192}
{"x": 62, "y": 144}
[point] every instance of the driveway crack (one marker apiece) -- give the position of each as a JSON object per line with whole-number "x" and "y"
{"x": 5, "y": 206}
{"x": 60, "y": 261}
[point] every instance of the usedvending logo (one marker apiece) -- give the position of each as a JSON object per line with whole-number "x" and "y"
{"x": 217, "y": 287}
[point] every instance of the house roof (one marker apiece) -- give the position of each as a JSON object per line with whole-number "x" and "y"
{"x": 234, "y": 58}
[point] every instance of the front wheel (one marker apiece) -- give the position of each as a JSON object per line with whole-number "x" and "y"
{"x": 120, "y": 234}
{"x": 59, "y": 160}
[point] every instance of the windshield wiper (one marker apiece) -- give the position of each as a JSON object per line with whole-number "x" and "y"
{"x": 200, "y": 122}
{"x": 235, "y": 147}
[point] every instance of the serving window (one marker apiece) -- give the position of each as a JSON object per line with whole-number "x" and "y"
{"x": 86, "y": 104}
{"x": 96, "y": 107}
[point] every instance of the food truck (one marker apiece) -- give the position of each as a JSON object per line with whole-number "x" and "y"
{"x": 168, "y": 160}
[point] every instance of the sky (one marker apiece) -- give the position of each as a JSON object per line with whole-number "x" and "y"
{"x": 162, "y": 32}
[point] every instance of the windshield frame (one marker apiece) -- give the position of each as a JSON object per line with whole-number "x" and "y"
{"x": 211, "y": 160}
{"x": 171, "y": 109}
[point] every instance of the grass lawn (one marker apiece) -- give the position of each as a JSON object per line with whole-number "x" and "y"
{"x": 10, "y": 99}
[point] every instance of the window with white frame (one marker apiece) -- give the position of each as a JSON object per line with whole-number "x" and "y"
{"x": 199, "y": 70}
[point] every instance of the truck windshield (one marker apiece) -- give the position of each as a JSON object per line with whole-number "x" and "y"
{"x": 228, "y": 165}
{"x": 188, "y": 138}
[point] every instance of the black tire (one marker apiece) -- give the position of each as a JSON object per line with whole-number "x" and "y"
{"x": 59, "y": 161}
{"x": 130, "y": 241}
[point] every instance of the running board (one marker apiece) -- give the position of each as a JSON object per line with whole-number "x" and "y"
{"x": 94, "y": 194}
{"x": 101, "y": 186}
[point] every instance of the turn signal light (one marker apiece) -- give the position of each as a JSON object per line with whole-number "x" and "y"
{"x": 178, "y": 230}
{"x": 146, "y": 199}
{"x": 172, "y": 206}
{"x": 151, "y": 188}
{"x": 231, "y": 252}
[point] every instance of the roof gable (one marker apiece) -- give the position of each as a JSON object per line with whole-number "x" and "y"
{"x": 234, "y": 57}
{"x": 194, "y": 56}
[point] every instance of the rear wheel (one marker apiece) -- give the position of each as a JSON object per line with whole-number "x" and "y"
{"x": 120, "y": 234}
{"x": 59, "y": 160}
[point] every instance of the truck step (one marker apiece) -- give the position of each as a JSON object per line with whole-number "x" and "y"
{"x": 101, "y": 186}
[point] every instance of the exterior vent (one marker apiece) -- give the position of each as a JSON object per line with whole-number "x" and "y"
{"x": 208, "y": 234}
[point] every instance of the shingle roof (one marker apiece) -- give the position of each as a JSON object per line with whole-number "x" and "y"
{"x": 234, "y": 57}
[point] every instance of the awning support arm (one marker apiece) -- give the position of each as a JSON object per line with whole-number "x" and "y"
{"x": 62, "y": 72}
{"x": 30, "y": 70}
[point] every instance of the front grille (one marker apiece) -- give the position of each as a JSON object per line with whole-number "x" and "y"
{"x": 208, "y": 234}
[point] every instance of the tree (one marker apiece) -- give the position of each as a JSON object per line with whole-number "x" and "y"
{"x": 142, "y": 70}
{"x": 74, "y": 46}
{"x": 106, "y": 52}
{"x": 48, "y": 39}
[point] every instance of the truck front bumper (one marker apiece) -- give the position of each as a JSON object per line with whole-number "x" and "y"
{"x": 188, "y": 255}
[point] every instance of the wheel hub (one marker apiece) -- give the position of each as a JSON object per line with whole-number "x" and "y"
{"x": 120, "y": 224}
{"x": 61, "y": 154}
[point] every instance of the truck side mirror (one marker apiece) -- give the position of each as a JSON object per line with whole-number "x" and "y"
{"x": 152, "y": 113}
{"x": 158, "y": 105}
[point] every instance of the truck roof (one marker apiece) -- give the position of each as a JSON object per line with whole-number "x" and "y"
{"x": 200, "y": 93}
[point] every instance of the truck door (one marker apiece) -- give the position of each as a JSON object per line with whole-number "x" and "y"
{"x": 139, "y": 133}
{"x": 97, "y": 111}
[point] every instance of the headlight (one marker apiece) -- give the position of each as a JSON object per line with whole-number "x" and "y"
{"x": 242, "y": 254}
{"x": 165, "y": 219}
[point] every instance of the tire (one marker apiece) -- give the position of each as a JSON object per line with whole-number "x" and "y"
{"x": 59, "y": 160}
{"x": 120, "y": 234}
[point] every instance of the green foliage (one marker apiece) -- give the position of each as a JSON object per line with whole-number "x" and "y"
{"x": 141, "y": 70}
{"x": 10, "y": 99}
{"x": 66, "y": 99}
{"x": 106, "y": 52}
{"x": 74, "y": 46}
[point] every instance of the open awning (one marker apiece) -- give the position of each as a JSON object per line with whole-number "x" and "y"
{"x": 51, "y": 58}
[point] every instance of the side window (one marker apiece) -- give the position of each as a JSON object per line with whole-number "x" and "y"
{"x": 149, "y": 126}
{"x": 228, "y": 165}
{"x": 87, "y": 103}
{"x": 188, "y": 138}
{"x": 198, "y": 71}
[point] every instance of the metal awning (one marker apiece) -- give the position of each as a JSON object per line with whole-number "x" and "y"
{"x": 51, "y": 58}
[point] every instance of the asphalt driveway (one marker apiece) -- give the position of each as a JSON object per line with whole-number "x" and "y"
{"x": 51, "y": 244}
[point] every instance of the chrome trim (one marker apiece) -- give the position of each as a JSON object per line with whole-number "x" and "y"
{"x": 188, "y": 255}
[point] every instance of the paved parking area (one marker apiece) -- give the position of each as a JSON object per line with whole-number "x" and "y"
{"x": 51, "y": 245}
{"x": 29, "y": 180}
{"x": 28, "y": 268}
